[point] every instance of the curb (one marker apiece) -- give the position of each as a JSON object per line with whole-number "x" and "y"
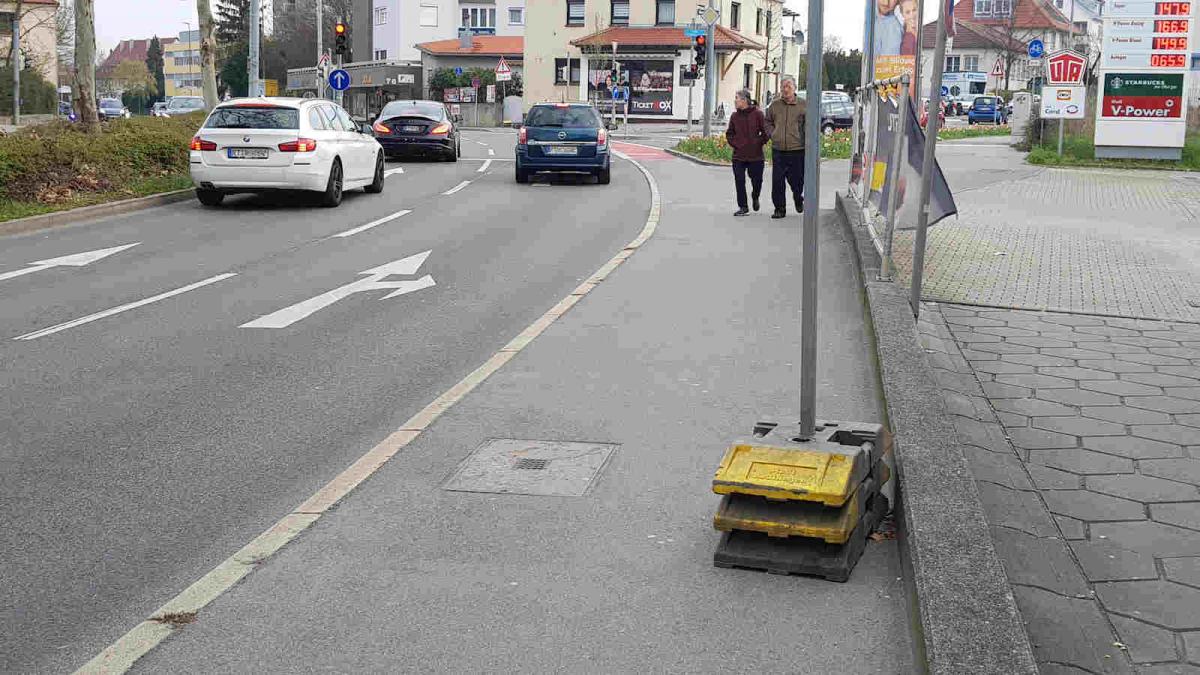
{"x": 963, "y": 610}
{"x": 70, "y": 216}
{"x": 696, "y": 160}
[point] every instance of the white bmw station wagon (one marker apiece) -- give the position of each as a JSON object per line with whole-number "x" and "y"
{"x": 268, "y": 144}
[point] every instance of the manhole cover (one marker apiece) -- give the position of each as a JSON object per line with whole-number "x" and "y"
{"x": 513, "y": 466}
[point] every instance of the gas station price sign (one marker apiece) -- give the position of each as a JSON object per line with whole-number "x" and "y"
{"x": 1123, "y": 8}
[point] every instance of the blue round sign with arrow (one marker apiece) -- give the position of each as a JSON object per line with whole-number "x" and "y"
{"x": 339, "y": 80}
{"x": 1037, "y": 49}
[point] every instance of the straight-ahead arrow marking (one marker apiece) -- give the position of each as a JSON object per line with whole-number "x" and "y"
{"x": 373, "y": 282}
{"x": 73, "y": 260}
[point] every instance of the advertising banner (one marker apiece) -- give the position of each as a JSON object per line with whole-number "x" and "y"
{"x": 1142, "y": 95}
{"x": 650, "y": 86}
{"x": 895, "y": 32}
{"x": 941, "y": 201}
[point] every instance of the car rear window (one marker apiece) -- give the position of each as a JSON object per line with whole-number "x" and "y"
{"x": 571, "y": 117}
{"x": 985, "y": 100}
{"x": 254, "y": 118}
{"x": 405, "y": 108}
{"x": 186, "y": 102}
{"x": 110, "y": 103}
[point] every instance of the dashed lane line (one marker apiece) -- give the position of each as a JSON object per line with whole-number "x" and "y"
{"x": 458, "y": 187}
{"x": 123, "y": 308}
{"x": 374, "y": 223}
{"x": 484, "y": 167}
{"x": 120, "y": 656}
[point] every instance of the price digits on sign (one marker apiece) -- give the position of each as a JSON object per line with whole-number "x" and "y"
{"x": 1168, "y": 60}
{"x": 1171, "y": 26}
{"x": 1173, "y": 8}
{"x": 1171, "y": 44}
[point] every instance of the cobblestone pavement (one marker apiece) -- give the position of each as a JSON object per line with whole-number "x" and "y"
{"x": 1103, "y": 242}
{"x": 1083, "y": 434}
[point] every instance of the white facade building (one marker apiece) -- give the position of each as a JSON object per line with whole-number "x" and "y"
{"x": 397, "y": 26}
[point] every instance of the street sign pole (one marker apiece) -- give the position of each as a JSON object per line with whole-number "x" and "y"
{"x": 255, "y": 88}
{"x": 1070, "y": 40}
{"x": 810, "y": 223}
{"x": 710, "y": 75}
{"x": 918, "y": 268}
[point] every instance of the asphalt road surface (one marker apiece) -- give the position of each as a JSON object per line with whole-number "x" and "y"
{"x": 165, "y": 403}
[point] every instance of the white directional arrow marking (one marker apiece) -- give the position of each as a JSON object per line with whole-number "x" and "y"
{"x": 73, "y": 260}
{"x": 373, "y": 282}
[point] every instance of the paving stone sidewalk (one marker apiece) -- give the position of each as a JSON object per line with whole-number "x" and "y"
{"x": 1089, "y": 241}
{"x": 1083, "y": 434}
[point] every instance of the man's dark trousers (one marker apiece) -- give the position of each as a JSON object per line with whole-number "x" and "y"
{"x": 787, "y": 165}
{"x": 740, "y": 169}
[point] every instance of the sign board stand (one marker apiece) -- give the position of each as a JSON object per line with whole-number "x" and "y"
{"x": 1141, "y": 102}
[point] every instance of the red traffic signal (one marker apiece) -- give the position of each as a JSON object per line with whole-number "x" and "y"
{"x": 701, "y": 40}
{"x": 700, "y": 50}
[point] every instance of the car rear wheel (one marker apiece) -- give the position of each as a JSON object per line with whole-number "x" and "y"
{"x": 210, "y": 197}
{"x": 522, "y": 175}
{"x": 604, "y": 177}
{"x": 376, "y": 185}
{"x": 333, "y": 189}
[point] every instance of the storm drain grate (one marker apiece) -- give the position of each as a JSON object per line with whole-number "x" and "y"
{"x": 534, "y": 464}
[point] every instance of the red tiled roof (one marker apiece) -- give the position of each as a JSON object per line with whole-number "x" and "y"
{"x": 129, "y": 50}
{"x": 1028, "y": 15}
{"x": 662, "y": 36}
{"x": 481, "y": 45}
{"x": 973, "y": 35}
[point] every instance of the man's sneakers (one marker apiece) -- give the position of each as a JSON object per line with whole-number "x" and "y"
{"x": 779, "y": 213}
{"x": 742, "y": 212}
{"x": 756, "y": 202}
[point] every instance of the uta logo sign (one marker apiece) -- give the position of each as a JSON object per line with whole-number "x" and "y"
{"x": 1065, "y": 67}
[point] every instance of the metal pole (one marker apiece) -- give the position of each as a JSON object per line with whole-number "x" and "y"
{"x": 916, "y": 85}
{"x": 255, "y": 88}
{"x": 691, "y": 88}
{"x": 1070, "y": 39}
{"x": 710, "y": 83}
{"x": 901, "y": 135}
{"x": 320, "y": 31}
{"x": 811, "y": 221}
{"x": 918, "y": 268}
{"x": 14, "y": 60}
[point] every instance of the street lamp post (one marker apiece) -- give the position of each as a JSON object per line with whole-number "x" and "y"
{"x": 190, "y": 45}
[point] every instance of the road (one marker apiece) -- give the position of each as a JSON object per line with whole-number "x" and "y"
{"x": 166, "y": 402}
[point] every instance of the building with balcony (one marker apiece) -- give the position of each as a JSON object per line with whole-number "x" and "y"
{"x": 569, "y": 52}
{"x": 396, "y": 27}
{"x": 182, "y": 64}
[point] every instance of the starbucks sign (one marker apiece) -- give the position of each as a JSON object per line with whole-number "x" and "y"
{"x": 1142, "y": 96}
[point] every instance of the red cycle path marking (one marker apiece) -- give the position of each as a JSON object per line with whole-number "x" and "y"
{"x": 640, "y": 152}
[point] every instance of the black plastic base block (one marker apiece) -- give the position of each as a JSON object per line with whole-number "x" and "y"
{"x": 796, "y": 555}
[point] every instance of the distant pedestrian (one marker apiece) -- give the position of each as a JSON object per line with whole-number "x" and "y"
{"x": 747, "y": 134}
{"x": 785, "y": 125}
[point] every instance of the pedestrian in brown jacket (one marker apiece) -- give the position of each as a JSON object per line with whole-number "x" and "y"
{"x": 747, "y": 134}
{"x": 785, "y": 124}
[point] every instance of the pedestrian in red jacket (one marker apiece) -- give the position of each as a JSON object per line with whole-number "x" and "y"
{"x": 747, "y": 134}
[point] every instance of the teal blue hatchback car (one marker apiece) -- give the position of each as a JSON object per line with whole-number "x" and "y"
{"x": 563, "y": 138}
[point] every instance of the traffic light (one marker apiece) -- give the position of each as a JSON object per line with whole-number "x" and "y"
{"x": 339, "y": 42}
{"x": 700, "y": 46}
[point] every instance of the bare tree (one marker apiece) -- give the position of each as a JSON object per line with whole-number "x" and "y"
{"x": 85, "y": 64}
{"x": 64, "y": 32}
{"x": 208, "y": 52}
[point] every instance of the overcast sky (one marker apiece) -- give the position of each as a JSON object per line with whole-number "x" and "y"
{"x": 121, "y": 19}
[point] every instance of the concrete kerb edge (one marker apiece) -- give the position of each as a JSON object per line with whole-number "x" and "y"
{"x": 696, "y": 160}
{"x": 72, "y": 216}
{"x": 966, "y": 617}
{"x": 143, "y": 638}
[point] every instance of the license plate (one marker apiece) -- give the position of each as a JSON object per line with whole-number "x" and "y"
{"x": 248, "y": 153}
{"x": 411, "y": 129}
{"x": 562, "y": 150}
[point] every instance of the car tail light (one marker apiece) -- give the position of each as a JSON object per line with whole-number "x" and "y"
{"x": 381, "y": 128}
{"x": 443, "y": 128}
{"x": 602, "y": 137}
{"x": 201, "y": 144}
{"x": 298, "y": 145}
{"x": 522, "y": 136}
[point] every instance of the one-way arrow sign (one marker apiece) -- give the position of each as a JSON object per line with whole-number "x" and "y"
{"x": 374, "y": 282}
{"x": 73, "y": 260}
